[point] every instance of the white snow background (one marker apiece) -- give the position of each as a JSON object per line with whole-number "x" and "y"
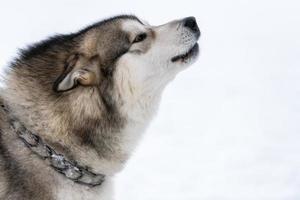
{"x": 228, "y": 127}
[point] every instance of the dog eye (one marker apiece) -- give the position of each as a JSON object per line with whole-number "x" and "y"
{"x": 140, "y": 38}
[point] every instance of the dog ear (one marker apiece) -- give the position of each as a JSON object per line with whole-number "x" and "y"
{"x": 78, "y": 71}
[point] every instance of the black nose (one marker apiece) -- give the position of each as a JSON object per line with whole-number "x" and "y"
{"x": 190, "y": 23}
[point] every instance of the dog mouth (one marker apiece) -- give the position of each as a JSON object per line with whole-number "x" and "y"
{"x": 191, "y": 53}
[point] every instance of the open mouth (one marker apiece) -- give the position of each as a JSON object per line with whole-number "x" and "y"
{"x": 189, "y": 54}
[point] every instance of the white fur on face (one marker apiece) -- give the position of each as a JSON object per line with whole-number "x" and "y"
{"x": 149, "y": 71}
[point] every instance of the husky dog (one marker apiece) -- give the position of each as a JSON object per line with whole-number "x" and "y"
{"x": 74, "y": 106}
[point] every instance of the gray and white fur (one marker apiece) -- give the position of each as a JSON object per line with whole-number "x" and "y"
{"x": 89, "y": 95}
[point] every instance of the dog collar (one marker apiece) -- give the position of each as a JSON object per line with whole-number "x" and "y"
{"x": 70, "y": 169}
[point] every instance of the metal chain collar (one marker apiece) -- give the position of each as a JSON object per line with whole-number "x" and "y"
{"x": 58, "y": 162}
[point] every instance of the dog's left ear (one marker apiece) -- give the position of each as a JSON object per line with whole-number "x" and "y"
{"x": 78, "y": 71}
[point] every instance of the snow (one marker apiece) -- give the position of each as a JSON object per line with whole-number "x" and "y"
{"x": 228, "y": 127}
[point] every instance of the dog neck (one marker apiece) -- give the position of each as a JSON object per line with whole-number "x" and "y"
{"x": 69, "y": 168}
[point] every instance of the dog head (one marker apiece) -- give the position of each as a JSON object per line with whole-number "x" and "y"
{"x": 130, "y": 56}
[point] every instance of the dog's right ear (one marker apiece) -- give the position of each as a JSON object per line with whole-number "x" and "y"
{"x": 77, "y": 71}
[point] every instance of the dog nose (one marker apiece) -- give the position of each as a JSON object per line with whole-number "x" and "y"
{"x": 190, "y": 23}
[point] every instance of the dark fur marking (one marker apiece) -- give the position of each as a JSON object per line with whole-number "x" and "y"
{"x": 46, "y": 45}
{"x": 66, "y": 39}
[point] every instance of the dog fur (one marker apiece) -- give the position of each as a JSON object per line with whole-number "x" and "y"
{"x": 89, "y": 95}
